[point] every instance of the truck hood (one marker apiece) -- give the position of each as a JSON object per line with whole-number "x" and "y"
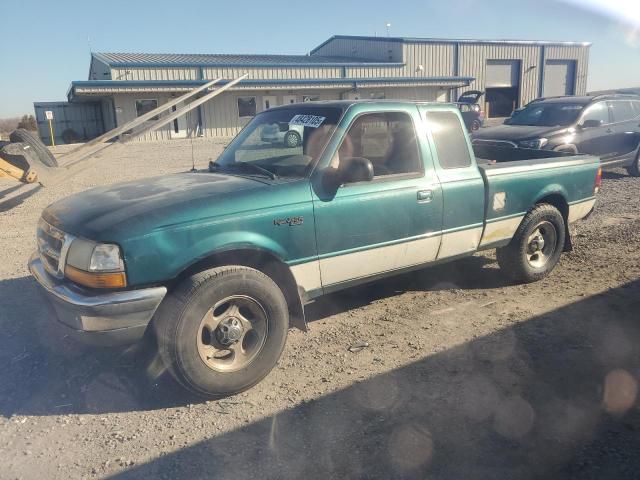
{"x": 102, "y": 213}
{"x": 516, "y": 132}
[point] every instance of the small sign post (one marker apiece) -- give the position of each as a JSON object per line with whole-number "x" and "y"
{"x": 49, "y": 116}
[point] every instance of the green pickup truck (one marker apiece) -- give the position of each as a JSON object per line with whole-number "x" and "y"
{"x": 215, "y": 266}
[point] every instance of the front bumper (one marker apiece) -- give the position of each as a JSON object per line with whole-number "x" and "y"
{"x": 98, "y": 318}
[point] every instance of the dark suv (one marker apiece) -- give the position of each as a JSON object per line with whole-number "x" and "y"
{"x": 604, "y": 125}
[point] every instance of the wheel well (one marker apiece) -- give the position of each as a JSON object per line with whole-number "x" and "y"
{"x": 561, "y": 204}
{"x": 265, "y": 262}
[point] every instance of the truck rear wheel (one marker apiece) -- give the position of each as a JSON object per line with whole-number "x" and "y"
{"x": 536, "y": 247}
{"x": 222, "y": 330}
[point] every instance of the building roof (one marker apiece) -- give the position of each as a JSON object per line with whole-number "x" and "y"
{"x": 448, "y": 40}
{"x": 102, "y": 87}
{"x": 226, "y": 60}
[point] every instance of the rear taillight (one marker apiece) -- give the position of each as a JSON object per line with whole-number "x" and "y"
{"x": 598, "y": 180}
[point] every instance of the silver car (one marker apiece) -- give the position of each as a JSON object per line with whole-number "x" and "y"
{"x": 281, "y": 132}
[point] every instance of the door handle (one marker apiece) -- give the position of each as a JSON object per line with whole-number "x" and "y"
{"x": 425, "y": 196}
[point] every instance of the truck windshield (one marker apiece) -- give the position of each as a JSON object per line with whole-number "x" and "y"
{"x": 281, "y": 142}
{"x": 547, "y": 115}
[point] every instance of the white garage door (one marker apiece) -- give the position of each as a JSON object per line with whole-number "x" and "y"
{"x": 502, "y": 73}
{"x": 559, "y": 77}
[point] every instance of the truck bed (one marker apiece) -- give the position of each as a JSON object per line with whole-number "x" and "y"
{"x": 493, "y": 153}
{"x": 513, "y": 185}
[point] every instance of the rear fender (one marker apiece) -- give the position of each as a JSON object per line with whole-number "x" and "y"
{"x": 556, "y": 195}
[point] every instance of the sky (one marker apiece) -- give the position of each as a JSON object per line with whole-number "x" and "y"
{"x": 46, "y": 44}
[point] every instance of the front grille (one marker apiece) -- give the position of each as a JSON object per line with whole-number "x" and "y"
{"x": 52, "y": 246}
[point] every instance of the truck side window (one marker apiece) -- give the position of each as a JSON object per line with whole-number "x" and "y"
{"x": 450, "y": 139}
{"x": 388, "y": 140}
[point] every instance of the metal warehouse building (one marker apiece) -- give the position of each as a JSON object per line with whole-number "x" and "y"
{"x": 122, "y": 86}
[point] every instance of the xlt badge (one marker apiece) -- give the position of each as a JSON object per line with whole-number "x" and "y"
{"x": 291, "y": 221}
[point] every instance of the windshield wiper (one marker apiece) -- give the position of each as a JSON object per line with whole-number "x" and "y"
{"x": 245, "y": 166}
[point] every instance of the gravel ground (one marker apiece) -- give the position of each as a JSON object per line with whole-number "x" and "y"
{"x": 463, "y": 375}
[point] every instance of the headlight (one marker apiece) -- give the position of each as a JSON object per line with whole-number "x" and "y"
{"x": 106, "y": 258}
{"x": 95, "y": 265}
{"x": 536, "y": 143}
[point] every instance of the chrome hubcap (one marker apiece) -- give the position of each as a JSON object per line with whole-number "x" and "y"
{"x": 232, "y": 333}
{"x": 541, "y": 244}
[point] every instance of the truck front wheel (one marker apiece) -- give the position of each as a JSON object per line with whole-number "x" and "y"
{"x": 222, "y": 330}
{"x": 536, "y": 247}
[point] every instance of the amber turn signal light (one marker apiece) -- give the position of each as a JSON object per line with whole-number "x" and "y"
{"x": 96, "y": 279}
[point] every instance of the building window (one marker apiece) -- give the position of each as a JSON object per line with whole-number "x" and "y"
{"x": 246, "y": 107}
{"x": 145, "y": 106}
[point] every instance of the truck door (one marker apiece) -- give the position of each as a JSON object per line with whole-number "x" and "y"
{"x": 394, "y": 221}
{"x": 462, "y": 185}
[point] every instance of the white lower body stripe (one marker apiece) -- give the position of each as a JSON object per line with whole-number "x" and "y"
{"x": 501, "y": 230}
{"x": 578, "y": 211}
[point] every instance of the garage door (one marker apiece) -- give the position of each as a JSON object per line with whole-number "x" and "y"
{"x": 502, "y": 73}
{"x": 559, "y": 77}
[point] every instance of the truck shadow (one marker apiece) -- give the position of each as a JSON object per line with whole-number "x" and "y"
{"x": 471, "y": 273}
{"x": 552, "y": 397}
{"x": 47, "y": 373}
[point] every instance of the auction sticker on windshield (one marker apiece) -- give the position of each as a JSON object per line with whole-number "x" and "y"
{"x": 313, "y": 121}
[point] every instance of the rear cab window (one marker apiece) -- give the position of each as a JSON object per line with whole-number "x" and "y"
{"x": 450, "y": 139}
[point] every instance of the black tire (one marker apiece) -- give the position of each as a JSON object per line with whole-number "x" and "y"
{"x": 292, "y": 139}
{"x": 475, "y": 125}
{"x": 634, "y": 168}
{"x": 24, "y": 136}
{"x": 517, "y": 260}
{"x": 178, "y": 325}
{"x": 24, "y": 157}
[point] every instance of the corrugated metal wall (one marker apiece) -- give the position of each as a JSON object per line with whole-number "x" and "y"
{"x": 274, "y": 73}
{"x": 437, "y": 59}
{"x": 358, "y": 48}
{"x": 578, "y": 53}
{"x": 473, "y": 62}
{"x": 83, "y": 119}
{"x": 125, "y": 111}
{"x": 165, "y": 73}
{"x": 99, "y": 70}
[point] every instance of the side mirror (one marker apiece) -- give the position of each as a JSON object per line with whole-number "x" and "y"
{"x": 591, "y": 123}
{"x": 355, "y": 169}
